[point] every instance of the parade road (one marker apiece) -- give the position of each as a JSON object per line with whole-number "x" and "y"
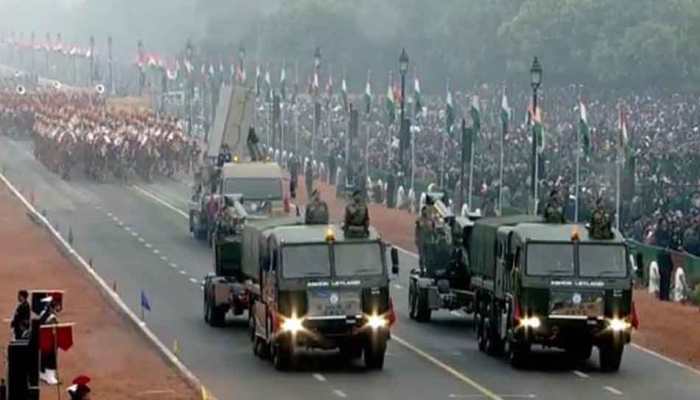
{"x": 137, "y": 238}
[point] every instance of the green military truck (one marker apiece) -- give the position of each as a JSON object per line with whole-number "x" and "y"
{"x": 553, "y": 285}
{"x": 313, "y": 287}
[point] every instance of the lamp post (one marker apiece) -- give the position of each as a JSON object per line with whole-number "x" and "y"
{"x": 403, "y": 134}
{"x": 110, "y": 65}
{"x": 317, "y": 105}
{"x": 535, "y": 81}
{"x": 92, "y": 60}
{"x": 190, "y": 89}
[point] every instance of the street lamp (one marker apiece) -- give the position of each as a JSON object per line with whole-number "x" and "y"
{"x": 317, "y": 58}
{"x": 403, "y": 135}
{"x": 535, "y": 82}
{"x": 189, "y": 93}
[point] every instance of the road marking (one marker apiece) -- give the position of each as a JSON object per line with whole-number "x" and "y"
{"x": 319, "y": 377}
{"x": 126, "y": 228}
{"x": 164, "y": 258}
{"x": 469, "y": 381}
{"x": 339, "y": 393}
{"x": 194, "y": 281}
{"x": 173, "y": 265}
{"x": 141, "y": 240}
{"x": 503, "y": 396}
{"x": 667, "y": 359}
{"x": 148, "y": 245}
{"x": 460, "y": 376}
{"x": 580, "y": 374}
{"x": 156, "y": 251}
{"x": 183, "y": 272}
{"x": 160, "y": 201}
{"x": 134, "y": 234}
{"x": 613, "y": 390}
{"x": 109, "y": 214}
{"x": 397, "y": 286}
{"x": 120, "y": 223}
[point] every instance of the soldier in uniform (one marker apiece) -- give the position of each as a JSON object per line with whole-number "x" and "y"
{"x": 553, "y": 211}
{"x": 356, "y": 216}
{"x": 224, "y": 155}
{"x": 20, "y": 320}
{"x": 316, "y": 210}
{"x": 600, "y": 222}
{"x": 252, "y": 143}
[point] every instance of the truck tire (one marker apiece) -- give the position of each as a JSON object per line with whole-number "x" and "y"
{"x": 215, "y": 316}
{"x": 610, "y": 355}
{"x": 205, "y": 301}
{"x": 423, "y": 311}
{"x": 494, "y": 343}
{"x": 412, "y": 302}
{"x": 374, "y": 352}
{"x": 282, "y": 355}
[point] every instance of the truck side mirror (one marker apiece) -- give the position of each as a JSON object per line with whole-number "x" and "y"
{"x": 394, "y": 261}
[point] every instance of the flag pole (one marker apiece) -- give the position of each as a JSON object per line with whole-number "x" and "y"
{"x": 500, "y": 172}
{"x": 442, "y": 162}
{"x": 471, "y": 173}
{"x": 578, "y": 169}
{"x": 413, "y": 159}
{"x": 617, "y": 195}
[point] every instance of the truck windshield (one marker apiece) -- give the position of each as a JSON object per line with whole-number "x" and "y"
{"x": 254, "y": 188}
{"x": 353, "y": 259}
{"x": 596, "y": 260}
{"x": 308, "y": 261}
{"x": 546, "y": 259}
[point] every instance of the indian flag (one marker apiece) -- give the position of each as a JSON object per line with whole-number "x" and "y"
{"x": 390, "y": 103}
{"x": 505, "y": 112}
{"x": 476, "y": 115}
{"x": 368, "y": 95}
{"x": 538, "y": 128}
{"x": 584, "y": 130}
{"x": 449, "y": 112}
{"x": 419, "y": 103}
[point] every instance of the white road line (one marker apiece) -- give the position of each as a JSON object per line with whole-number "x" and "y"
{"x": 164, "y": 258}
{"x": 613, "y": 390}
{"x": 156, "y": 251}
{"x": 134, "y": 234}
{"x": 339, "y": 393}
{"x": 667, "y": 359}
{"x": 148, "y": 245}
{"x": 109, "y": 214}
{"x": 126, "y": 228}
{"x": 319, "y": 377}
{"x": 458, "y": 375}
{"x": 183, "y": 272}
{"x": 120, "y": 223}
{"x": 173, "y": 265}
{"x": 160, "y": 201}
{"x": 481, "y": 396}
{"x": 194, "y": 281}
{"x": 141, "y": 240}
{"x": 580, "y": 374}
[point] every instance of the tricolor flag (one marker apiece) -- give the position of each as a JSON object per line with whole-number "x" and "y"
{"x": 416, "y": 94}
{"x": 258, "y": 80}
{"x": 505, "y": 112}
{"x": 449, "y": 112}
{"x": 344, "y": 93}
{"x": 368, "y": 94}
{"x": 476, "y": 115}
{"x": 538, "y": 128}
{"x": 623, "y": 137}
{"x": 283, "y": 82}
{"x": 315, "y": 85}
{"x": 583, "y": 129}
{"x": 390, "y": 103}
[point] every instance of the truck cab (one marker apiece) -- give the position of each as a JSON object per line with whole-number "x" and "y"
{"x": 319, "y": 289}
{"x": 553, "y": 285}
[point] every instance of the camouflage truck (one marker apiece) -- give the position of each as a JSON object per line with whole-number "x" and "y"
{"x": 313, "y": 287}
{"x": 547, "y": 284}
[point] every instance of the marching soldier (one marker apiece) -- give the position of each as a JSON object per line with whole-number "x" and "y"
{"x": 553, "y": 211}
{"x": 316, "y": 210}
{"x": 20, "y": 320}
{"x": 356, "y": 216}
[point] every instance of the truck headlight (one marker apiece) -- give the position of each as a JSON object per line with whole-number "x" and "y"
{"x": 530, "y": 322}
{"x": 376, "y": 321}
{"x": 618, "y": 325}
{"x": 292, "y": 325}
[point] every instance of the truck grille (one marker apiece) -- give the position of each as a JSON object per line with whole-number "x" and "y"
{"x": 576, "y": 304}
{"x": 330, "y": 302}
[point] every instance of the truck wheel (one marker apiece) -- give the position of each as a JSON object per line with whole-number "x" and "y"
{"x": 412, "y": 306}
{"x": 494, "y": 344}
{"x": 423, "y": 311}
{"x": 282, "y": 355}
{"x": 580, "y": 352}
{"x": 610, "y": 355}
{"x": 375, "y": 349}
{"x": 192, "y": 223}
{"x": 260, "y": 348}
{"x": 480, "y": 336}
{"x": 205, "y": 301}
{"x": 215, "y": 316}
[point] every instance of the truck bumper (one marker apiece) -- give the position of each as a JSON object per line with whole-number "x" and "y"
{"x": 329, "y": 335}
{"x": 564, "y": 333}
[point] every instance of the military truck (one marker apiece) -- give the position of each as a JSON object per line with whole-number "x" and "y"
{"x": 246, "y": 191}
{"x": 553, "y": 285}
{"x": 313, "y": 287}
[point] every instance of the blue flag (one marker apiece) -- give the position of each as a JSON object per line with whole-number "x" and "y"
{"x": 145, "y": 304}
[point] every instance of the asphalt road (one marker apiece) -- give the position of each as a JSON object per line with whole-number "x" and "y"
{"x": 137, "y": 239}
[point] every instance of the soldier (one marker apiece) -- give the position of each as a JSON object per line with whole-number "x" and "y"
{"x": 553, "y": 211}
{"x": 293, "y": 175}
{"x": 316, "y": 210}
{"x": 600, "y": 225}
{"x": 252, "y": 143}
{"x": 356, "y": 216}
{"x": 224, "y": 155}
{"x": 20, "y": 320}
{"x": 425, "y": 226}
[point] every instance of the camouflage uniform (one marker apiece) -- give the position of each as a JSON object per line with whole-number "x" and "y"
{"x": 356, "y": 216}
{"x": 600, "y": 227}
{"x": 316, "y": 211}
{"x": 553, "y": 211}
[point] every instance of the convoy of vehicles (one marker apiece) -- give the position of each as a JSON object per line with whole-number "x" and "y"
{"x": 528, "y": 283}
